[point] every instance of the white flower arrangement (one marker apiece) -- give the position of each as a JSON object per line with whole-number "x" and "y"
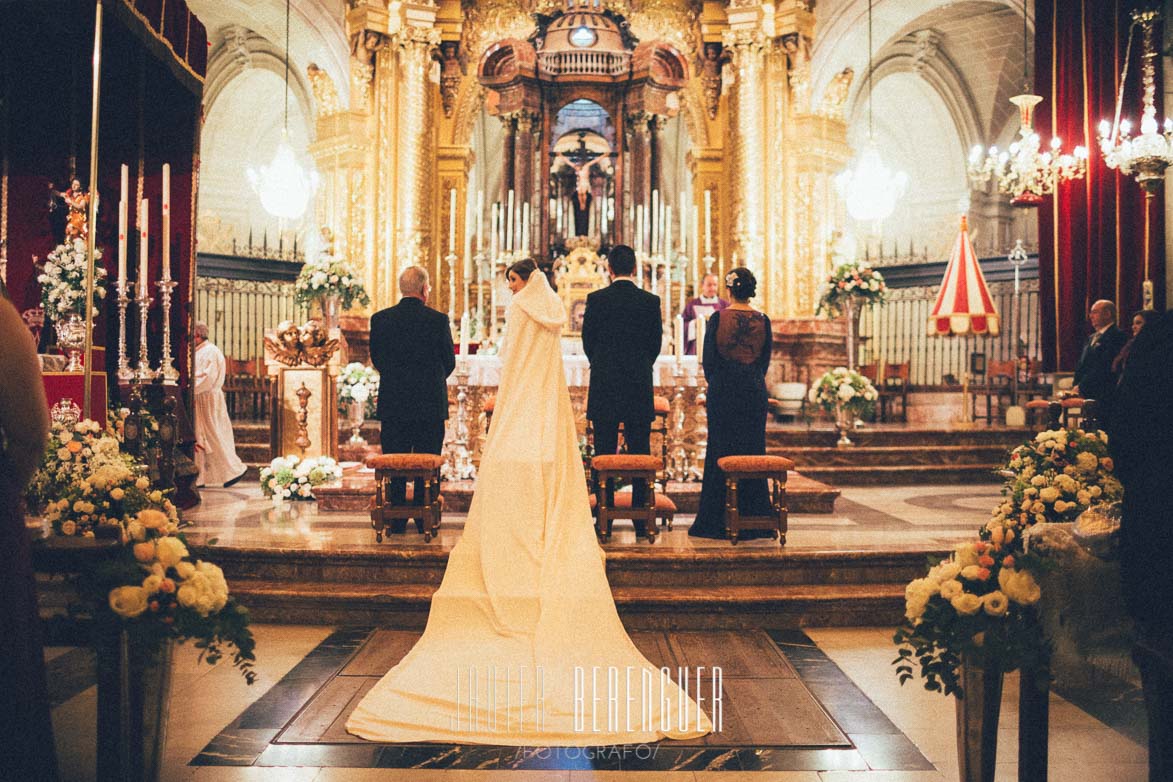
{"x": 851, "y": 280}
{"x": 358, "y": 383}
{"x": 327, "y": 275}
{"x": 292, "y": 478}
{"x": 63, "y": 280}
{"x": 844, "y": 389}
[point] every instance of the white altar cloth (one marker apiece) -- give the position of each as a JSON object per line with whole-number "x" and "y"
{"x": 486, "y": 370}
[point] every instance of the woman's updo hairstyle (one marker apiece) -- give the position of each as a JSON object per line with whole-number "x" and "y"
{"x": 523, "y": 269}
{"x": 741, "y": 283}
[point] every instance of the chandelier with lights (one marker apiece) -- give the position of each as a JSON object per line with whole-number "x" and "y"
{"x": 284, "y": 186}
{"x": 1026, "y": 172}
{"x": 1148, "y": 155}
{"x": 871, "y": 189}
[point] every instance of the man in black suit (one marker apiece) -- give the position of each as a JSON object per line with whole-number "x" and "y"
{"x": 411, "y": 346}
{"x": 1094, "y": 378}
{"x": 621, "y": 336}
{"x": 1141, "y": 439}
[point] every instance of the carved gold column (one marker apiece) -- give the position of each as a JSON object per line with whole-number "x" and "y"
{"x": 751, "y": 165}
{"x": 639, "y": 133}
{"x": 523, "y": 160}
{"x": 413, "y": 44}
{"x": 508, "y": 179}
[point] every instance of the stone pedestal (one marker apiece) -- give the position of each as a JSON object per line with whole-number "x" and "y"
{"x": 805, "y": 348}
{"x": 305, "y": 392}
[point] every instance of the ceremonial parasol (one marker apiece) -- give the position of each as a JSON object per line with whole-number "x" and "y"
{"x": 964, "y": 305}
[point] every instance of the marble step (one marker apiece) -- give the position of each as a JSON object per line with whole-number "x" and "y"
{"x": 699, "y": 607}
{"x": 407, "y": 561}
{"x": 907, "y": 475}
{"x": 808, "y": 458}
{"x": 913, "y": 436}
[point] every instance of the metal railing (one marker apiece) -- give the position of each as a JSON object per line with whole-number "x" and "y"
{"x": 584, "y": 63}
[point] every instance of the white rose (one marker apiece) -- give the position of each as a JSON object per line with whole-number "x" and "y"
{"x": 951, "y": 589}
{"x": 966, "y": 604}
{"x": 170, "y": 551}
{"x": 995, "y": 603}
{"x": 916, "y": 596}
{"x": 128, "y": 601}
{"x": 1019, "y": 585}
{"x": 1049, "y": 494}
{"x": 136, "y": 531}
{"x": 966, "y": 555}
{"x": 846, "y": 392}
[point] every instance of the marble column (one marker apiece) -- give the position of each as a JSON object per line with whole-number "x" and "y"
{"x": 749, "y": 154}
{"x": 655, "y": 152}
{"x": 523, "y": 159}
{"x": 508, "y": 179}
{"x": 640, "y": 163}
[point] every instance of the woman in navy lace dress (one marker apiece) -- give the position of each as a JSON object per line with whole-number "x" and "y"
{"x": 738, "y": 343}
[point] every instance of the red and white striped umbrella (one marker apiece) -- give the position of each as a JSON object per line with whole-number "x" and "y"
{"x": 964, "y": 305}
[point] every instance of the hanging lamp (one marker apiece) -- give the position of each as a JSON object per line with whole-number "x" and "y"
{"x": 284, "y": 186}
{"x": 871, "y": 189}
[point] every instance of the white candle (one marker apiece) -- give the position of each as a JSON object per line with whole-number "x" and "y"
{"x": 496, "y": 235}
{"x": 655, "y": 234}
{"x": 509, "y": 224}
{"x": 166, "y": 221}
{"x": 525, "y": 217}
{"x": 480, "y": 221}
{"x": 464, "y": 335}
{"x": 701, "y": 325}
{"x": 679, "y": 337}
{"x": 708, "y": 223}
{"x": 122, "y": 228}
{"x": 469, "y": 222}
{"x": 683, "y": 223}
{"x": 452, "y": 220}
{"x": 603, "y": 217}
{"x": 639, "y": 228}
{"x": 667, "y": 232}
{"x": 143, "y": 212}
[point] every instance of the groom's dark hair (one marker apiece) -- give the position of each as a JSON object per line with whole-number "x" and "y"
{"x": 621, "y": 259}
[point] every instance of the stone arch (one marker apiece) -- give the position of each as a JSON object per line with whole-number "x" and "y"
{"x": 241, "y": 49}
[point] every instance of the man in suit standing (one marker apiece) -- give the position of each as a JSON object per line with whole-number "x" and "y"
{"x": 1094, "y": 378}
{"x": 621, "y": 336}
{"x": 411, "y": 346}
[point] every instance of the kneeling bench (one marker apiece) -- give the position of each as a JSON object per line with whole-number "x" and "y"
{"x": 771, "y": 468}
{"x": 409, "y": 467}
{"x": 609, "y": 505}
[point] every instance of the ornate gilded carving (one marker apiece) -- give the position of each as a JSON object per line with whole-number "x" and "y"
{"x": 309, "y": 344}
{"x": 361, "y": 75}
{"x": 325, "y": 93}
{"x": 835, "y": 97}
{"x": 451, "y": 73}
{"x": 671, "y": 21}
{"x": 797, "y": 50}
{"x": 303, "y": 416}
{"x": 710, "y": 65}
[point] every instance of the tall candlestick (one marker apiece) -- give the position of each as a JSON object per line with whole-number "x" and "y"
{"x": 452, "y": 220}
{"x": 679, "y": 337}
{"x": 166, "y": 221}
{"x": 708, "y": 222}
{"x": 655, "y": 218}
{"x": 142, "y": 247}
{"x": 509, "y": 224}
{"x": 701, "y": 325}
{"x": 480, "y": 221}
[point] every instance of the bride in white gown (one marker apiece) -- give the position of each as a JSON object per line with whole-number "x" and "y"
{"x": 523, "y": 639}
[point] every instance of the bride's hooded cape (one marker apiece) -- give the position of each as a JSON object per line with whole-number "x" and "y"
{"x": 525, "y": 589}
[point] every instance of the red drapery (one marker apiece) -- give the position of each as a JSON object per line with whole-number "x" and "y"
{"x": 1091, "y": 233}
{"x": 153, "y": 62}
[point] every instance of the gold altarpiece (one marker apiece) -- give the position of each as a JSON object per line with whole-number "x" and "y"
{"x": 759, "y": 142}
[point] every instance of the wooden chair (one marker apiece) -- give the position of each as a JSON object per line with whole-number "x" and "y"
{"x": 662, "y": 409}
{"x": 426, "y": 510}
{"x": 999, "y": 383}
{"x": 609, "y": 504}
{"x": 771, "y": 468}
{"x": 893, "y": 387}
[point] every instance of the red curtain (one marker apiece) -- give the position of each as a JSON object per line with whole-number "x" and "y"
{"x": 152, "y": 70}
{"x": 1092, "y": 232}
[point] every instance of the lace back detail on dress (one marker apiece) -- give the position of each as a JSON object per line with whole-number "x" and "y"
{"x": 741, "y": 335}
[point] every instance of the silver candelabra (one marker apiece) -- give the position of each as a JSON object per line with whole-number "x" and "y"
{"x": 125, "y": 373}
{"x": 702, "y": 428}
{"x": 167, "y": 370}
{"x": 459, "y": 466}
{"x": 678, "y": 454}
{"x": 144, "y": 373}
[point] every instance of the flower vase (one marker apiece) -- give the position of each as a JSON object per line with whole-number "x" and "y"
{"x": 977, "y": 719}
{"x": 71, "y": 337}
{"x": 843, "y": 422}
{"x": 331, "y": 308}
{"x": 355, "y": 416}
{"x": 134, "y": 689}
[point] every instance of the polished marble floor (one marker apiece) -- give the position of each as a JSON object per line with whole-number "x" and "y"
{"x": 865, "y": 518}
{"x": 898, "y": 734}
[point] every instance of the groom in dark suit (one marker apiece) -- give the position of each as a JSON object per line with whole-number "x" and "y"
{"x": 411, "y": 346}
{"x": 621, "y": 336}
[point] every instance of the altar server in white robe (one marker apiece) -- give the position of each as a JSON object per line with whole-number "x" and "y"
{"x": 215, "y": 451}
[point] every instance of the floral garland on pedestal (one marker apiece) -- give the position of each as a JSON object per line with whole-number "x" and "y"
{"x": 293, "y": 478}
{"x": 851, "y": 281}
{"x": 149, "y": 587}
{"x": 63, "y": 280}
{"x": 847, "y": 395}
{"x": 358, "y": 382}
{"x": 327, "y": 276}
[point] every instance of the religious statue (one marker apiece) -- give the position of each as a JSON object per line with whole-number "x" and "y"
{"x": 78, "y": 203}
{"x": 712, "y": 61}
{"x": 835, "y": 97}
{"x": 581, "y": 202}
